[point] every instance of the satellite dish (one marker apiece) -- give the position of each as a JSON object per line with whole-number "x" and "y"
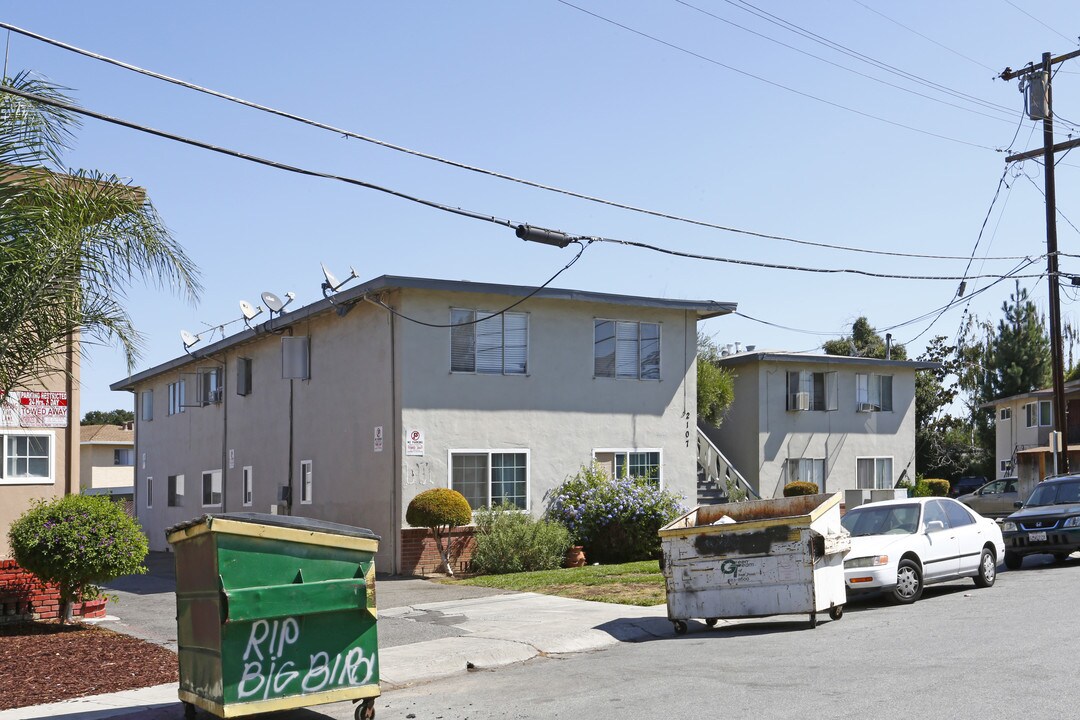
{"x": 332, "y": 284}
{"x": 273, "y": 302}
{"x": 188, "y": 338}
{"x": 248, "y": 310}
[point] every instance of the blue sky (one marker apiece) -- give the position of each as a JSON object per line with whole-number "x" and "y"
{"x": 545, "y": 91}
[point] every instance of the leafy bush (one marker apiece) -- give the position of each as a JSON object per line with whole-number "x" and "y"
{"x": 509, "y": 540}
{"x": 440, "y": 510}
{"x": 937, "y": 486}
{"x": 615, "y": 519}
{"x": 800, "y": 487}
{"x": 78, "y": 541}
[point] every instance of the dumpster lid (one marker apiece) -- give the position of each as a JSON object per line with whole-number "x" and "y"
{"x": 291, "y": 522}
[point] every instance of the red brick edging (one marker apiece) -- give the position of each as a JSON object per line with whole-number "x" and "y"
{"x": 419, "y": 556}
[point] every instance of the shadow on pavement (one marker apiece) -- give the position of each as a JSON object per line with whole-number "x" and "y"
{"x": 159, "y": 578}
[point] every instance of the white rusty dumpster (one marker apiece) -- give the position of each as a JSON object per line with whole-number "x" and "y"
{"x": 757, "y": 558}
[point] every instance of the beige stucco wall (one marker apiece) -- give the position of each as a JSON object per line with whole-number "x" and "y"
{"x": 96, "y": 468}
{"x": 559, "y": 412}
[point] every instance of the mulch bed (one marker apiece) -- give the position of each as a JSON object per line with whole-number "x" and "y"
{"x": 47, "y": 662}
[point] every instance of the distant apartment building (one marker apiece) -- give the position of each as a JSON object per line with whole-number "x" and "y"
{"x": 107, "y": 460}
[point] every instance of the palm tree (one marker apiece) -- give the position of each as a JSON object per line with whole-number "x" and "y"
{"x": 71, "y": 244}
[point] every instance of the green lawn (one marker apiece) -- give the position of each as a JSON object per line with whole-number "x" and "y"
{"x": 636, "y": 583}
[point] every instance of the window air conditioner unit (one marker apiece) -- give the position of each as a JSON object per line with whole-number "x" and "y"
{"x": 799, "y": 401}
{"x": 867, "y": 407}
{"x": 214, "y": 396}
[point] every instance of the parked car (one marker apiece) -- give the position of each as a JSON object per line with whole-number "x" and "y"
{"x": 1048, "y": 522}
{"x": 899, "y": 546}
{"x": 995, "y": 499}
{"x": 966, "y": 484}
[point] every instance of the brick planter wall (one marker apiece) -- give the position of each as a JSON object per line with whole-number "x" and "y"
{"x": 420, "y": 556}
{"x": 23, "y": 597}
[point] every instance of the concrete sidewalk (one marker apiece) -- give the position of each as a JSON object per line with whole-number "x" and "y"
{"x": 489, "y": 632}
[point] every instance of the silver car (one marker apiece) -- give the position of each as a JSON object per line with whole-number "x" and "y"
{"x": 995, "y": 499}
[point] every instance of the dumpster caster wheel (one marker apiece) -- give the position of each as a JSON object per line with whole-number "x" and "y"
{"x": 813, "y": 620}
{"x": 680, "y": 627}
{"x": 365, "y": 710}
{"x": 189, "y": 711}
{"x": 711, "y": 622}
{"x": 836, "y": 612}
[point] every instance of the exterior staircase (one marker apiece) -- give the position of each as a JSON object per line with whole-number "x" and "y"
{"x": 716, "y": 474}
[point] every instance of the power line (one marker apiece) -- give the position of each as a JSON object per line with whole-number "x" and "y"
{"x": 461, "y": 165}
{"x": 822, "y": 40}
{"x": 759, "y": 78}
{"x": 254, "y": 158}
{"x": 1048, "y": 27}
{"x": 798, "y": 268}
{"x": 838, "y": 65}
{"x": 924, "y": 37}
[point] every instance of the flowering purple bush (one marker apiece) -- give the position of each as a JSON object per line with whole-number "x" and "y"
{"x": 615, "y": 519}
{"x": 78, "y": 541}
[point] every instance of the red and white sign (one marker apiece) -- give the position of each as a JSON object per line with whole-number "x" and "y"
{"x": 32, "y": 408}
{"x": 414, "y": 442}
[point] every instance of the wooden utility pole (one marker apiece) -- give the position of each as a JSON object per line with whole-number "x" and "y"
{"x": 1045, "y": 69}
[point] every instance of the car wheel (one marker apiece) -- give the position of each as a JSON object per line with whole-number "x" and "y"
{"x": 987, "y": 570}
{"x": 909, "y": 585}
{"x": 1013, "y": 560}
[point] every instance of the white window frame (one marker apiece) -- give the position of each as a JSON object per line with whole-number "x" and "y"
{"x": 626, "y": 463}
{"x": 307, "y": 482}
{"x": 800, "y": 462}
{"x": 213, "y": 475}
{"x": 1039, "y": 413}
{"x": 248, "y": 486}
{"x": 149, "y": 491}
{"x": 461, "y": 324}
{"x": 489, "y": 452}
{"x": 211, "y": 385}
{"x": 120, "y": 453}
{"x": 6, "y": 479}
{"x": 176, "y": 491}
{"x": 640, "y": 374}
{"x": 177, "y": 396}
{"x": 868, "y": 388}
{"x": 876, "y": 481}
{"x": 805, "y": 381}
{"x": 1005, "y": 414}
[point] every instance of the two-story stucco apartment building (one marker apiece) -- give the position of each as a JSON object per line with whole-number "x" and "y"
{"x": 347, "y": 408}
{"x": 1023, "y": 424}
{"x": 842, "y": 422}
{"x": 107, "y": 460}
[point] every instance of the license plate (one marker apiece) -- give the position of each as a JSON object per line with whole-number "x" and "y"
{"x": 1037, "y": 537}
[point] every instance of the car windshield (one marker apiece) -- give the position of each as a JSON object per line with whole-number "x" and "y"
{"x": 888, "y": 520}
{"x": 1059, "y": 493}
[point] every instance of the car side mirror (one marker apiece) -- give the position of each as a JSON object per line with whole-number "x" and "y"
{"x": 934, "y": 526}
{"x": 1018, "y": 504}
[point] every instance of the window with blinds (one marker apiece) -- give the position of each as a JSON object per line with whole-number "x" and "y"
{"x": 624, "y": 349}
{"x": 490, "y": 344}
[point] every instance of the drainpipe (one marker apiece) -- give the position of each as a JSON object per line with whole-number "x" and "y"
{"x": 888, "y": 346}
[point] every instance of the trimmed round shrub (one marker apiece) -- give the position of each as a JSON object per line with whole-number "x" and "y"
{"x": 439, "y": 507}
{"x": 509, "y": 540}
{"x": 440, "y": 510}
{"x": 78, "y": 542}
{"x": 800, "y": 487}
{"x": 616, "y": 520}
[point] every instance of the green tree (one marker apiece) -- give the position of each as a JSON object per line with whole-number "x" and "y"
{"x": 1019, "y": 354}
{"x": 440, "y": 510}
{"x": 112, "y": 417}
{"x": 863, "y": 342}
{"x": 71, "y": 244}
{"x": 715, "y": 384}
{"x": 944, "y": 444}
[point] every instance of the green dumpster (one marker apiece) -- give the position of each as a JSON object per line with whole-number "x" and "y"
{"x": 274, "y": 612}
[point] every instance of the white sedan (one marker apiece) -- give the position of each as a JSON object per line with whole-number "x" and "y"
{"x": 899, "y": 546}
